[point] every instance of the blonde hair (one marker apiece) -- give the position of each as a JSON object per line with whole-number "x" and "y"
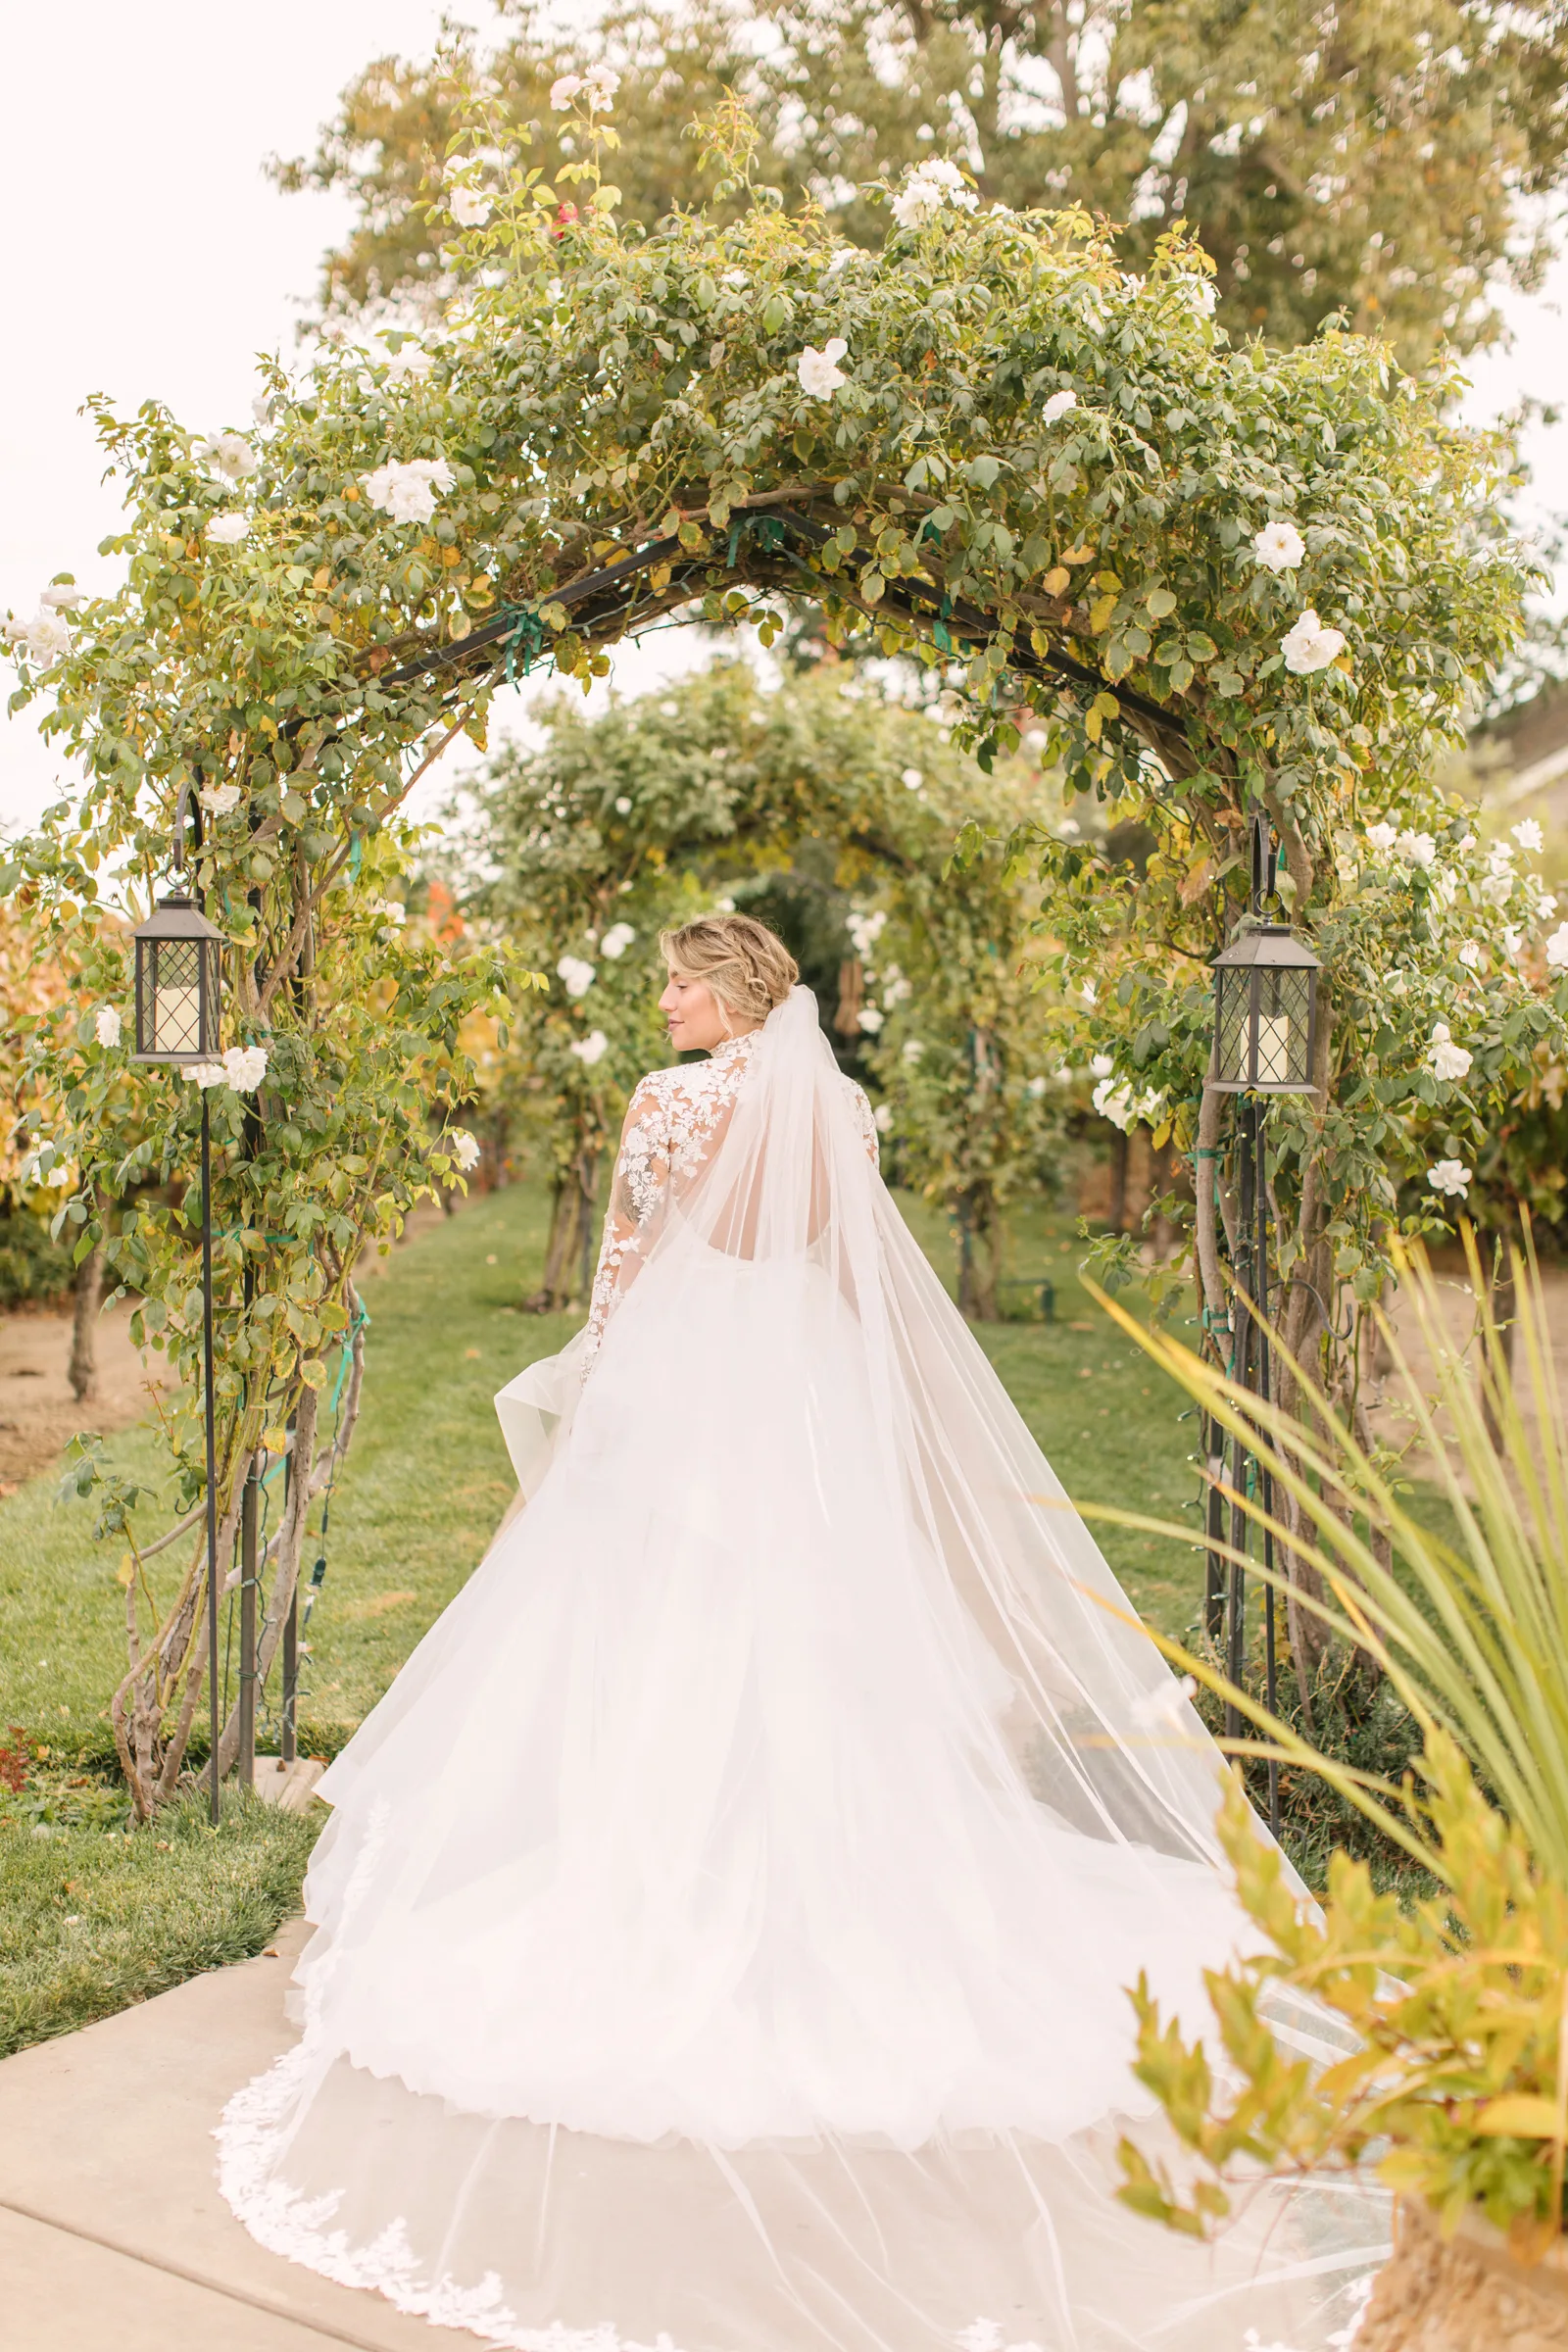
{"x": 748, "y": 967}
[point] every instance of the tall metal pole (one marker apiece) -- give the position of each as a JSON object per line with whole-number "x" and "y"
{"x": 1236, "y": 1612}
{"x": 247, "y": 1627}
{"x": 1265, "y": 1482}
{"x": 215, "y": 1807}
{"x": 288, "y": 1731}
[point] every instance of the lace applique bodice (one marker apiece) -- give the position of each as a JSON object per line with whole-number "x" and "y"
{"x": 673, "y": 1121}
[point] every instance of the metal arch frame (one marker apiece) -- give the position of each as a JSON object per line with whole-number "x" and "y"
{"x": 603, "y": 608}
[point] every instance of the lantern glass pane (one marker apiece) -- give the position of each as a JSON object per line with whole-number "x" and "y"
{"x": 176, "y": 996}
{"x": 1282, "y": 1021}
{"x": 1232, "y": 1023}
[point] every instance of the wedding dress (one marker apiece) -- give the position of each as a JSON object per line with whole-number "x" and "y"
{"x": 722, "y": 1928}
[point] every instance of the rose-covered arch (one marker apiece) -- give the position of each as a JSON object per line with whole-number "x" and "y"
{"x": 1218, "y": 577}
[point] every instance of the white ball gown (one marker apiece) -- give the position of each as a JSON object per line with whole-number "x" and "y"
{"x": 723, "y": 1926}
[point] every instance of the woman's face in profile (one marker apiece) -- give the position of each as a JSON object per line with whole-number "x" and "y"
{"x": 697, "y": 1020}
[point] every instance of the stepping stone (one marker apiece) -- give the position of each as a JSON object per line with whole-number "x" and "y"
{"x": 288, "y": 1785}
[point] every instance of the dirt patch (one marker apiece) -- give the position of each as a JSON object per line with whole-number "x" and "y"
{"x": 38, "y": 1414}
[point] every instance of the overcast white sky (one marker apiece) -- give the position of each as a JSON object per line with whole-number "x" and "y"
{"x": 152, "y": 257}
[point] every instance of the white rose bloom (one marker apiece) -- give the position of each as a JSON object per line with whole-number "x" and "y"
{"x": 1057, "y": 406}
{"x": 623, "y": 804}
{"x": 600, "y": 84}
{"x": 820, "y": 372}
{"x": 1100, "y": 1067}
{"x": 106, "y": 1025}
{"x": 617, "y": 940}
{"x": 916, "y": 203}
{"x": 1115, "y": 1103}
{"x": 1557, "y": 948}
{"x": 465, "y": 1149}
{"x": 1528, "y": 834}
{"x": 837, "y": 259}
{"x": 592, "y": 1048}
{"x": 68, "y": 600}
{"x": 228, "y": 529}
{"x": 1382, "y": 838}
{"x": 564, "y": 90}
{"x": 913, "y": 1047}
{"x": 219, "y": 799}
{"x": 470, "y": 208}
{"x": 1446, "y": 1059}
{"x": 911, "y": 779}
{"x": 244, "y": 1067}
{"x": 1466, "y": 841}
{"x": 204, "y": 1074}
{"x": 578, "y": 974}
{"x": 1512, "y": 941}
{"x": 883, "y": 1117}
{"x": 1470, "y": 956}
{"x": 870, "y": 1019}
{"x": 1449, "y": 1176}
{"x": 1309, "y": 646}
{"x": 230, "y": 452}
{"x": 45, "y": 636}
{"x": 408, "y": 491}
{"x": 1496, "y": 887}
{"x": 1280, "y": 546}
{"x": 1200, "y": 291}
{"x": 1417, "y": 849}
{"x": 408, "y": 364}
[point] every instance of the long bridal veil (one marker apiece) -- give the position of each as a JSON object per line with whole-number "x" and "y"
{"x": 724, "y": 1921}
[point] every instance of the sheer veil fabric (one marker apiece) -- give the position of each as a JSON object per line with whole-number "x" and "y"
{"x": 722, "y": 1925}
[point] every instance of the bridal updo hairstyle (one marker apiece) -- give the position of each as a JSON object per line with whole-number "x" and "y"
{"x": 748, "y": 967}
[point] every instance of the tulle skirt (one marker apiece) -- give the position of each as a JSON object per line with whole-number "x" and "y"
{"x": 697, "y": 1966}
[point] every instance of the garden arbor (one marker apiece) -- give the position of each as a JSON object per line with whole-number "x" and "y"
{"x": 1220, "y": 577}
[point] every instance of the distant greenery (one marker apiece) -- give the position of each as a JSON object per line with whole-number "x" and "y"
{"x": 1378, "y": 158}
{"x": 32, "y": 1267}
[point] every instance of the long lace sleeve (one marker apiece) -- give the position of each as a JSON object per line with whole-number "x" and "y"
{"x": 865, "y": 1120}
{"x": 637, "y": 1193}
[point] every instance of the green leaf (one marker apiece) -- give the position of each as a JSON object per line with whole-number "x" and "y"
{"x": 1161, "y": 602}
{"x": 983, "y": 471}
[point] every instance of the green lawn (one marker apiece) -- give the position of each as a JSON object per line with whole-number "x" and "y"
{"x": 91, "y": 1917}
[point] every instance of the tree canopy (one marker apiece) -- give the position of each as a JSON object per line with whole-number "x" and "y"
{"x": 1382, "y": 159}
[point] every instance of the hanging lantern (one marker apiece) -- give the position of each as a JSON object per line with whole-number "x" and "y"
{"x": 178, "y": 984}
{"x": 1265, "y": 1013}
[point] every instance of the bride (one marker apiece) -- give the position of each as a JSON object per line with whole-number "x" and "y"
{"x": 723, "y": 1926}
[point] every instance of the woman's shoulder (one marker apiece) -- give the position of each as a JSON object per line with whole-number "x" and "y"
{"x": 655, "y": 1088}
{"x": 864, "y": 1115}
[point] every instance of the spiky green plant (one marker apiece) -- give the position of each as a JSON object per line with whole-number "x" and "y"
{"x": 1458, "y": 2086}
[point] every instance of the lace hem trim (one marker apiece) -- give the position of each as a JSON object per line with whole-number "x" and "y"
{"x": 250, "y": 2138}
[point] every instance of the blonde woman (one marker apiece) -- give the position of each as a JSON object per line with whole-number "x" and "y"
{"x": 724, "y": 1921}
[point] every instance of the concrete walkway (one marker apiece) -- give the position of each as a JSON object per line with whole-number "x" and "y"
{"x": 112, "y": 2232}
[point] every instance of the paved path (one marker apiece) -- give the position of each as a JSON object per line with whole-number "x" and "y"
{"x": 112, "y": 2232}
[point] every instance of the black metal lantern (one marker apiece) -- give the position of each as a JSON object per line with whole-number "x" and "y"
{"x": 1265, "y": 1013}
{"x": 178, "y": 971}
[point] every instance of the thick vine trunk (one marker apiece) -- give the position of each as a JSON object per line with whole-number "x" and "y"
{"x": 1465, "y": 2293}
{"x": 1503, "y": 1303}
{"x": 568, "y": 1251}
{"x": 83, "y": 1369}
{"x": 980, "y": 1254}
